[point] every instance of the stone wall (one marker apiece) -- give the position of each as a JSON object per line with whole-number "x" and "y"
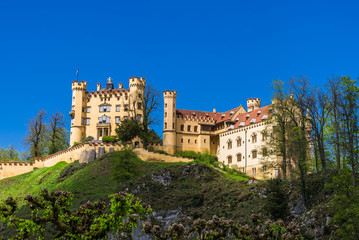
{"x": 10, "y": 169}
{"x": 151, "y": 156}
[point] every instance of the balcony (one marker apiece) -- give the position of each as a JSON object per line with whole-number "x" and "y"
{"x": 103, "y": 125}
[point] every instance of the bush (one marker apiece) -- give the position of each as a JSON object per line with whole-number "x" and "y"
{"x": 126, "y": 165}
{"x": 150, "y": 149}
{"x": 108, "y": 139}
{"x": 69, "y": 170}
{"x": 276, "y": 203}
{"x": 160, "y": 152}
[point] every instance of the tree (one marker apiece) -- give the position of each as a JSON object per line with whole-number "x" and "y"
{"x": 57, "y": 134}
{"x": 12, "y": 154}
{"x": 149, "y": 102}
{"x": 36, "y": 135}
{"x": 51, "y": 212}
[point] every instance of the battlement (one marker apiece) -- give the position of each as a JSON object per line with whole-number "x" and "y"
{"x": 76, "y": 85}
{"x": 170, "y": 94}
{"x": 137, "y": 82}
{"x": 253, "y": 103}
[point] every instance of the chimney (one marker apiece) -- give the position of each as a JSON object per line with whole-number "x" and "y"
{"x": 214, "y": 110}
{"x": 98, "y": 86}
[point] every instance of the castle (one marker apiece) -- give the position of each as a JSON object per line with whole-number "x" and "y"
{"x": 238, "y": 137}
{"x": 98, "y": 112}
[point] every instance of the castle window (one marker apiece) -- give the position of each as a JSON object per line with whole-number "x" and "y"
{"x": 165, "y": 114}
{"x": 189, "y": 128}
{"x": 264, "y": 152}
{"x": 239, "y": 157}
{"x": 139, "y": 96}
{"x": 126, "y": 107}
{"x": 104, "y": 119}
{"x": 87, "y": 121}
{"x": 195, "y": 128}
{"x": 182, "y": 127}
{"x": 195, "y": 141}
{"x": 254, "y": 171}
{"x": 117, "y": 120}
{"x": 254, "y": 138}
{"x": 139, "y": 117}
{"x": 88, "y": 109}
{"x": 254, "y": 154}
{"x": 239, "y": 142}
{"x": 264, "y": 136}
{"x": 117, "y": 108}
{"x": 165, "y": 104}
{"x": 189, "y": 140}
{"x": 205, "y": 140}
{"x": 229, "y": 144}
{"x": 181, "y": 140}
{"x": 229, "y": 159}
{"x": 83, "y": 109}
{"x": 139, "y": 106}
{"x": 105, "y": 108}
{"x": 125, "y": 117}
{"x": 165, "y": 125}
{"x": 264, "y": 168}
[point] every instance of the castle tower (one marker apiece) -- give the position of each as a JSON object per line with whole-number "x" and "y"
{"x": 137, "y": 88}
{"x": 78, "y": 102}
{"x": 169, "y": 121}
{"x": 253, "y": 104}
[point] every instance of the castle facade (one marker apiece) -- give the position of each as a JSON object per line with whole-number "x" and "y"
{"x": 238, "y": 137}
{"x": 97, "y": 113}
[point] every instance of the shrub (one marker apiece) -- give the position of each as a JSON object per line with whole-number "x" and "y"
{"x": 126, "y": 165}
{"x": 160, "y": 151}
{"x": 109, "y": 139}
{"x": 69, "y": 170}
{"x": 150, "y": 149}
{"x": 276, "y": 203}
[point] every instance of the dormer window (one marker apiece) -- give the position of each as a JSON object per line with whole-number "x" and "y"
{"x": 223, "y": 115}
{"x": 207, "y": 115}
{"x": 259, "y": 112}
{"x": 231, "y": 113}
{"x": 237, "y": 119}
{"x": 247, "y": 116}
{"x": 194, "y": 114}
{"x": 253, "y": 120}
{"x": 242, "y": 124}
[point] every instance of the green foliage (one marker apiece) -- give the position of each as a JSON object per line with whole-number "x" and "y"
{"x": 70, "y": 170}
{"x": 276, "y": 203}
{"x": 128, "y": 129}
{"x": 9, "y": 154}
{"x": 87, "y": 139}
{"x": 109, "y": 139}
{"x": 344, "y": 206}
{"x": 160, "y": 152}
{"x": 89, "y": 221}
{"x": 126, "y": 165}
{"x": 218, "y": 228}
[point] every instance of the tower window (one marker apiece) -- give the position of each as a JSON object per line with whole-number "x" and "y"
{"x": 195, "y": 128}
{"x": 165, "y": 104}
{"x": 88, "y": 109}
{"x": 165, "y": 114}
{"x": 165, "y": 125}
{"x": 181, "y": 140}
{"x": 189, "y": 140}
{"x": 173, "y": 125}
{"x": 189, "y": 128}
{"x": 139, "y": 106}
{"x": 182, "y": 127}
{"x": 117, "y": 108}
{"x": 139, "y": 117}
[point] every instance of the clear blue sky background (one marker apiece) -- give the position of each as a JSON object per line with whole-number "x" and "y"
{"x": 214, "y": 53}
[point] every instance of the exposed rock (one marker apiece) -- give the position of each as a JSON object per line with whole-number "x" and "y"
{"x": 83, "y": 157}
{"x": 101, "y": 152}
{"x": 91, "y": 155}
{"x": 297, "y": 207}
{"x": 163, "y": 177}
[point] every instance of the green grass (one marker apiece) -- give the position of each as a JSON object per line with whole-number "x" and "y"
{"x": 196, "y": 188}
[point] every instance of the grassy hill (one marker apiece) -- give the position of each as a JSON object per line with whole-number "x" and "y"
{"x": 197, "y": 189}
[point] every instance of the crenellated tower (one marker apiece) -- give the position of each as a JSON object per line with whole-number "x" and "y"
{"x": 253, "y": 104}
{"x": 169, "y": 121}
{"x": 137, "y": 88}
{"x": 78, "y": 102}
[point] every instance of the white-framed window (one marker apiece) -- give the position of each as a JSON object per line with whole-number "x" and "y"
{"x": 117, "y": 119}
{"x": 118, "y": 108}
{"x": 104, "y": 119}
{"x": 105, "y": 108}
{"x": 88, "y": 109}
{"x": 87, "y": 121}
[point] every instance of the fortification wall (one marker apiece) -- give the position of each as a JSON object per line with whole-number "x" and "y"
{"x": 151, "y": 156}
{"x": 10, "y": 169}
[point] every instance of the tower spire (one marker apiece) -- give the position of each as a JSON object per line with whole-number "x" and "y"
{"x": 77, "y": 72}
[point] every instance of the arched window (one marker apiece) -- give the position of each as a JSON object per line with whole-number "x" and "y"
{"x": 239, "y": 157}
{"x": 264, "y": 135}
{"x": 229, "y": 159}
{"x": 254, "y": 154}
{"x": 239, "y": 142}
{"x": 254, "y": 138}
{"x": 229, "y": 143}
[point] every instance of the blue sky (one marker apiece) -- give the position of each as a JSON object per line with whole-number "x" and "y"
{"x": 216, "y": 54}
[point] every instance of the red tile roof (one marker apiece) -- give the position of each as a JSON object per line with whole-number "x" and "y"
{"x": 217, "y": 117}
{"x": 253, "y": 115}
